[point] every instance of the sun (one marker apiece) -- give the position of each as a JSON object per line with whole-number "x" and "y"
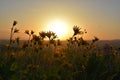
{"x": 59, "y": 27}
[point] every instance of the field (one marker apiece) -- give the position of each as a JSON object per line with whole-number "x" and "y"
{"x": 67, "y": 61}
{"x": 50, "y": 59}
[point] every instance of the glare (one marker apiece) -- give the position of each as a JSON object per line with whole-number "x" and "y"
{"x": 59, "y": 27}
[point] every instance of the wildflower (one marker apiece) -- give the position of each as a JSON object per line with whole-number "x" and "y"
{"x": 25, "y": 45}
{"x": 13, "y": 31}
{"x": 51, "y": 35}
{"x": 82, "y": 42}
{"x": 14, "y": 23}
{"x": 58, "y": 42}
{"x": 54, "y": 36}
{"x": 27, "y": 32}
{"x": 42, "y": 34}
{"x": 36, "y": 38}
{"x": 75, "y": 38}
{"x": 32, "y": 32}
{"x": 70, "y": 40}
{"x": 95, "y": 39}
{"x": 16, "y": 30}
{"x": 85, "y": 31}
{"x": 52, "y": 41}
{"x": 76, "y": 30}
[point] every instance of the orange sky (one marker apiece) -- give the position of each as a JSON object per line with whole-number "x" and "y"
{"x": 101, "y": 18}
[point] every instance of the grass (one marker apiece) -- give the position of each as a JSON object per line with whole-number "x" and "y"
{"x": 77, "y": 60}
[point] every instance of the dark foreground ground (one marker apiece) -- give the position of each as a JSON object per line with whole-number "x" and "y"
{"x": 101, "y": 61}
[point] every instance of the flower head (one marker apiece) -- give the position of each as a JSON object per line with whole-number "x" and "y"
{"x": 27, "y": 32}
{"x": 32, "y": 32}
{"x": 42, "y": 34}
{"x": 16, "y": 30}
{"x": 76, "y": 30}
{"x": 95, "y": 39}
{"x": 14, "y": 23}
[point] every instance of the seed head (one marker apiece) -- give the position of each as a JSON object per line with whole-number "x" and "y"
{"x": 14, "y": 23}
{"x": 27, "y": 32}
{"x": 32, "y": 32}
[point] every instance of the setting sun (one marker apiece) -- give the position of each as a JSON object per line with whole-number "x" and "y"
{"x": 59, "y": 27}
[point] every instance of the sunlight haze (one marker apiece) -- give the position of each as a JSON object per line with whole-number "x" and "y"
{"x": 100, "y": 18}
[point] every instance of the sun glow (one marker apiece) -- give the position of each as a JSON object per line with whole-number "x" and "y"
{"x": 59, "y": 27}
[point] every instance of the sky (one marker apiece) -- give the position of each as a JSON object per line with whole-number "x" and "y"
{"x": 100, "y": 18}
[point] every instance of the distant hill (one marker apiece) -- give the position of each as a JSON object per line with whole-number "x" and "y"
{"x": 100, "y": 43}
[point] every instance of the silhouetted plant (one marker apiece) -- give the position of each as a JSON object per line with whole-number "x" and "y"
{"x": 93, "y": 42}
{"x": 95, "y": 39}
{"x": 81, "y": 41}
{"x": 37, "y": 40}
{"x": 13, "y": 30}
{"x": 14, "y": 23}
{"x": 42, "y": 34}
{"x": 51, "y": 35}
{"x": 76, "y": 30}
{"x": 76, "y": 62}
{"x": 16, "y": 30}
{"x": 29, "y": 34}
{"x": 70, "y": 40}
{"x": 77, "y": 36}
{"x": 32, "y": 32}
{"x": 58, "y": 42}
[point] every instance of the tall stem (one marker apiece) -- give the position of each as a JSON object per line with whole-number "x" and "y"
{"x": 29, "y": 40}
{"x": 11, "y": 34}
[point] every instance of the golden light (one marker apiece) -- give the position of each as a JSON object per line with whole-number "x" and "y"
{"x": 59, "y": 27}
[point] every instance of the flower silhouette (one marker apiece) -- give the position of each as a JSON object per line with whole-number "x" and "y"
{"x": 42, "y": 34}
{"x": 13, "y": 30}
{"x": 14, "y": 23}
{"x": 32, "y": 32}
{"x": 95, "y": 39}
{"x": 51, "y": 35}
{"x": 76, "y": 30}
{"x": 16, "y": 30}
{"x": 27, "y": 32}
